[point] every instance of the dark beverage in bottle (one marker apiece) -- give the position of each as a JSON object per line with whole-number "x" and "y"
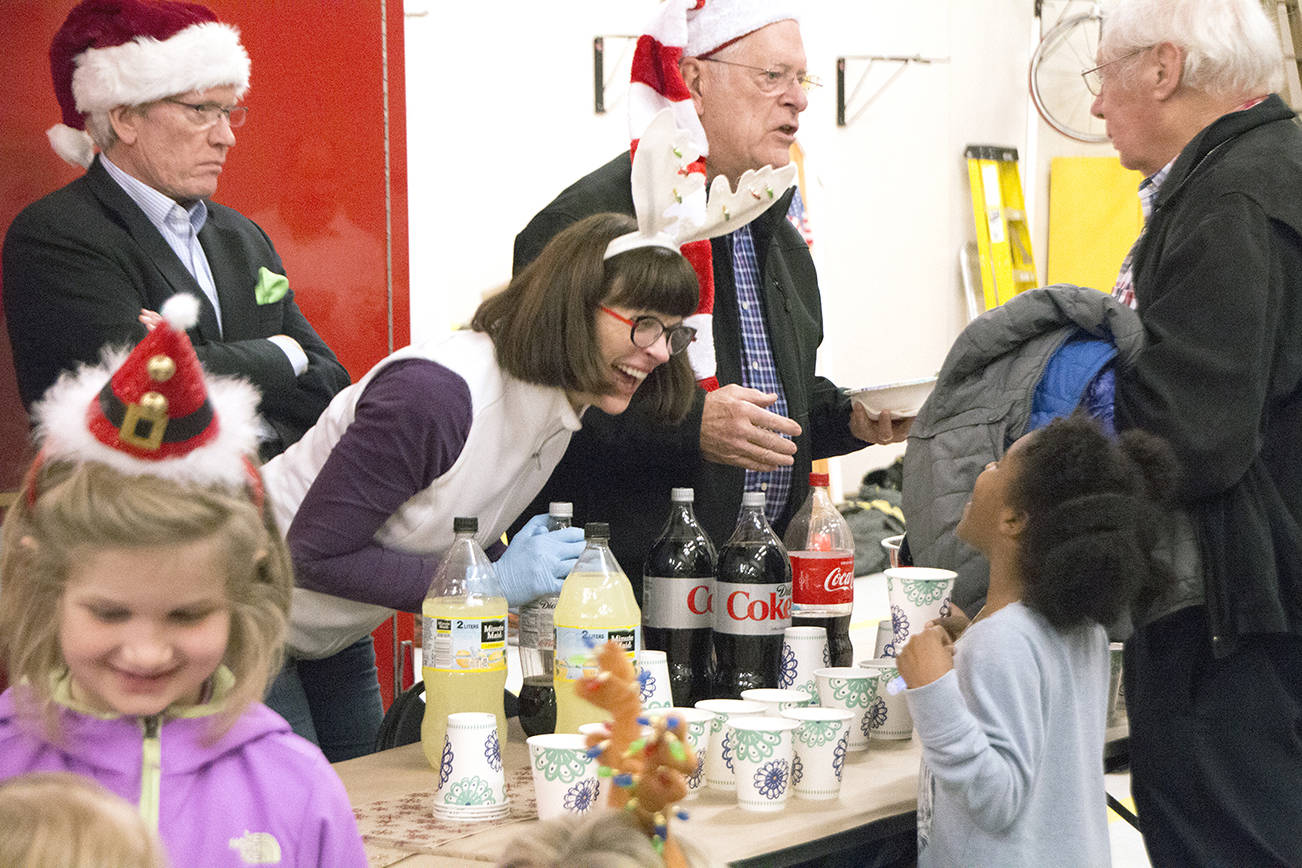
{"x": 821, "y": 546}
{"x": 677, "y": 589}
{"x": 752, "y": 603}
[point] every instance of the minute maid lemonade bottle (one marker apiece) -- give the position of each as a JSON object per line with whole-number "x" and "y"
{"x": 596, "y": 605}
{"x": 464, "y": 640}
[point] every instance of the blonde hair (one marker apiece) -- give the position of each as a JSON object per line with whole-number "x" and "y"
{"x": 81, "y": 508}
{"x": 62, "y": 820}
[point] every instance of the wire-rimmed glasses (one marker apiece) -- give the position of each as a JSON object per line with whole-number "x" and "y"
{"x": 774, "y": 80}
{"x": 206, "y": 114}
{"x": 1094, "y": 77}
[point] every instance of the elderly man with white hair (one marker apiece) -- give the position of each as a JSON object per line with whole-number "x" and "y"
{"x": 1214, "y": 670}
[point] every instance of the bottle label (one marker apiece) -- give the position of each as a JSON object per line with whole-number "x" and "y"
{"x": 679, "y": 604}
{"x": 752, "y": 610}
{"x": 536, "y": 624}
{"x": 464, "y": 644}
{"x": 822, "y": 578}
{"x": 576, "y": 649}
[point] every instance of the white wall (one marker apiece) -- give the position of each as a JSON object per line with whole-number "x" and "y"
{"x": 500, "y": 119}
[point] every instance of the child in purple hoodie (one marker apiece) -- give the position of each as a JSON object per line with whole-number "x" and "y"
{"x": 144, "y": 592}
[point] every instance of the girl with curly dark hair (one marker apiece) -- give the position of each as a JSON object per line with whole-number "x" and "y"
{"x": 1012, "y": 717}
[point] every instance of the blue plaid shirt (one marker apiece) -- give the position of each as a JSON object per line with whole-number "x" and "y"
{"x": 758, "y": 370}
{"x": 1124, "y": 290}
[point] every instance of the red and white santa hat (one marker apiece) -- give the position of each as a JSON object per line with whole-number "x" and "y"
{"x": 154, "y": 411}
{"x": 692, "y": 28}
{"x": 111, "y": 53}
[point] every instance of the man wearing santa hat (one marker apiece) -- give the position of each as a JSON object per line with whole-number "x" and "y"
{"x": 155, "y": 86}
{"x": 734, "y": 73}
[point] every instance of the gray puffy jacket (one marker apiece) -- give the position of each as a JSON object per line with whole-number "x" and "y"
{"x": 981, "y": 404}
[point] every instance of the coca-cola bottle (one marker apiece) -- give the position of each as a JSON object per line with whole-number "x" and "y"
{"x": 677, "y": 587}
{"x": 822, "y": 570}
{"x": 752, "y": 603}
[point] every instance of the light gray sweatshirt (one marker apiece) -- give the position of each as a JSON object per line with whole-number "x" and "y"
{"x": 1012, "y": 747}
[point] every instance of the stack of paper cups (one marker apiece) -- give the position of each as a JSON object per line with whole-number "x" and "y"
{"x": 471, "y": 783}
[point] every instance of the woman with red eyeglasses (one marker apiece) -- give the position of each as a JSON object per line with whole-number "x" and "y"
{"x": 472, "y": 423}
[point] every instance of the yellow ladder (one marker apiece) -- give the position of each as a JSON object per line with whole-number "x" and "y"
{"x": 1003, "y": 238}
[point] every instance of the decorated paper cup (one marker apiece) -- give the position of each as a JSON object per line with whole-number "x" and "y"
{"x": 698, "y": 738}
{"x": 564, "y": 776}
{"x": 889, "y": 717}
{"x": 719, "y": 771}
{"x": 885, "y": 644}
{"x": 471, "y": 783}
{"x": 851, "y": 689}
{"x": 776, "y": 700}
{"x": 820, "y": 742}
{"x": 653, "y": 678}
{"x": 917, "y": 595}
{"x": 892, "y": 545}
{"x": 804, "y": 649}
{"x": 762, "y": 756}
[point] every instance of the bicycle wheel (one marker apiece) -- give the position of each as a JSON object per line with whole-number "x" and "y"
{"x": 1059, "y": 94}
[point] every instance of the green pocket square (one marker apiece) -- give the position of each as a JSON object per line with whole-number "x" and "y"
{"x": 271, "y": 286}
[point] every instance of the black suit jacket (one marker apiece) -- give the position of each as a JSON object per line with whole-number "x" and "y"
{"x": 81, "y": 263}
{"x": 620, "y": 468}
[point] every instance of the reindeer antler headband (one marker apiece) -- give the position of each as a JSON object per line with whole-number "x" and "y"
{"x": 670, "y": 201}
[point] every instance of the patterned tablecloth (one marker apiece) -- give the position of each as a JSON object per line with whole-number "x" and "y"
{"x": 394, "y": 828}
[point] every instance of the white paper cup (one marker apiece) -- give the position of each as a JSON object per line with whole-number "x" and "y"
{"x": 885, "y": 644}
{"x": 762, "y": 756}
{"x": 719, "y": 771}
{"x": 804, "y": 649}
{"x": 892, "y": 545}
{"x": 698, "y": 739}
{"x": 820, "y": 742}
{"x": 471, "y": 783}
{"x": 653, "y": 678}
{"x": 917, "y": 595}
{"x": 776, "y": 700}
{"x": 851, "y": 689}
{"x": 889, "y": 717}
{"x": 565, "y": 778}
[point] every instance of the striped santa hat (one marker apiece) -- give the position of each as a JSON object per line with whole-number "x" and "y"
{"x": 111, "y": 53}
{"x": 693, "y": 28}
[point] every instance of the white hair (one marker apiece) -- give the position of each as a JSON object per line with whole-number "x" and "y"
{"x": 1231, "y": 47}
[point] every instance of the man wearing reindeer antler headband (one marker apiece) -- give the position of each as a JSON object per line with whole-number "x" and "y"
{"x": 733, "y": 73}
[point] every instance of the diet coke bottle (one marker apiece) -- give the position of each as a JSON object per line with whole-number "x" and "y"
{"x": 677, "y": 588}
{"x": 752, "y": 603}
{"x": 822, "y": 570}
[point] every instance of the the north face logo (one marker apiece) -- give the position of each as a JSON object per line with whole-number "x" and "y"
{"x": 257, "y": 848}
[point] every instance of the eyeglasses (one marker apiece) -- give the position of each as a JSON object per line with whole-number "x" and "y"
{"x": 773, "y": 81}
{"x": 207, "y": 114}
{"x": 646, "y": 330}
{"x": 1094, "y": 77}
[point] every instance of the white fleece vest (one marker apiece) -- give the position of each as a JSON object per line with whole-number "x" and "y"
{"x": 518, "y": 434}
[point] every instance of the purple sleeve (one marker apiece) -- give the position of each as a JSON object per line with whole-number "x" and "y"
{"x": 396, "y": 446}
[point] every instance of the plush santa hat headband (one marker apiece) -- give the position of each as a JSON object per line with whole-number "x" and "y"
{"x": 110, "y": 53}
{"x": 154, "y": 412}
{"x": 693, "y": 28}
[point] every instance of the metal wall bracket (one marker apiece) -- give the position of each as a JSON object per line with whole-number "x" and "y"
{"x": 599, "y": 70}
{"x": 842, "y": 101}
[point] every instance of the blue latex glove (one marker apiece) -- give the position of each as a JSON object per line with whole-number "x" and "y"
{"x": 537, "y": 560}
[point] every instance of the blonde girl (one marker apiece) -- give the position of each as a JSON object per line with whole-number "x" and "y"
{"x": 144, "y": 595}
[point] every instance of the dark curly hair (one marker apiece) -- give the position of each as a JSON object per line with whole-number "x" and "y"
{"x": 1093, "y": 506}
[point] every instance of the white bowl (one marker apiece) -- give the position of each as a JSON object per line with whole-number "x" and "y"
{"x": 901, "y": 400}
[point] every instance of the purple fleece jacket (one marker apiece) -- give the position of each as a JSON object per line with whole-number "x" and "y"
{"x": 258, "y": 790}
